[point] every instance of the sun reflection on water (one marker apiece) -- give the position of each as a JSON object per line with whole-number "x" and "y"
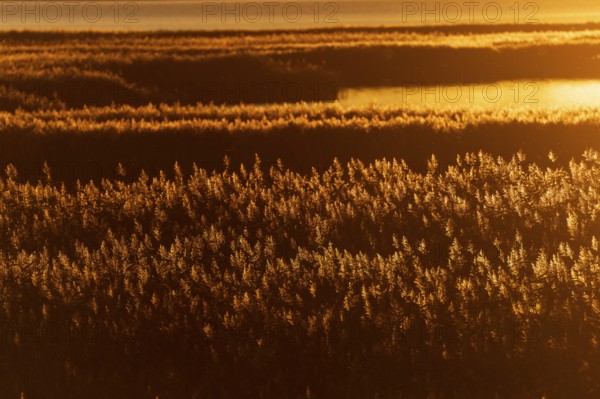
{"x": 505, "y": 94}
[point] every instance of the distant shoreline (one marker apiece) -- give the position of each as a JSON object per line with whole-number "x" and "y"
{"x": 477, "y": 28}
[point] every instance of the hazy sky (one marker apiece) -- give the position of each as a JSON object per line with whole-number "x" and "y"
{"x": 196, "y": 14}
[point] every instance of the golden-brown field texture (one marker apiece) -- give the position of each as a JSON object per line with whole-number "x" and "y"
{"x": 155, "y": 245}
{"x": 91, "y": 143}
{"x": 50, "y": 70}
{"x": 362, "y": 280}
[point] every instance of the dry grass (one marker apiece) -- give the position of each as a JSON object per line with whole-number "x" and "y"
{"x": 77, "y": 69}
{"x": 426, "y": 283}
{"x": 89, "y": 143}
{"x": 358, "y": 266}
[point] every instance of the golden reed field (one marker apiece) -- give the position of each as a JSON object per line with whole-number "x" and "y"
{"x": 193, "y": 215}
